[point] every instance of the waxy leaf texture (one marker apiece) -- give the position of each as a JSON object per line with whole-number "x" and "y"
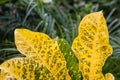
{"x": 71, "y": 60}
{"x": 92, "y": 47}
{"x": 43, "y": 50}
{"x": 34, "y": 44}
{"x": 24, "y": 69}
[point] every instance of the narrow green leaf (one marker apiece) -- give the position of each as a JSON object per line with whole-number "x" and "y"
{"x": 72, "y": 62}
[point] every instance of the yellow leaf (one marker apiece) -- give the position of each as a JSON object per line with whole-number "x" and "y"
{"x": 24, "y": 69}
{"x": 109, "y": 76}
{"x": 4, "y": 74}
{"x": 91, "y": 46}
{"x": 41, "y": 46}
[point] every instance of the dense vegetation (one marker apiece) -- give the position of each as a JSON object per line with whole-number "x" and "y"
{"x": 57, "y": 19}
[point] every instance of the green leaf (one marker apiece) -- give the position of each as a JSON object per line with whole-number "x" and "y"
{"x": 72, "y": 62}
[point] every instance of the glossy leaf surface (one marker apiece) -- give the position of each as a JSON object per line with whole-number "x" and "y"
{"x": 47, "y": 50}
{"x": 71, "y": 60}
{"x": 40, "y": 48}
{"x": 92, "y": 47}
{"x": 24, "y": 69}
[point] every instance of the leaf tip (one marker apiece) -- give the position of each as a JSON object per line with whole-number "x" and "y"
{"x": 17, "y": 31}
{"x": 109, "y": 76}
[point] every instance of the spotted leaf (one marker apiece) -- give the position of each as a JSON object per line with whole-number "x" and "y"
{"x": 92, "y": 47}
{"x": 41, "y": 46}
{"x": 72, "y": 62}
{"x": 24, "y": 69}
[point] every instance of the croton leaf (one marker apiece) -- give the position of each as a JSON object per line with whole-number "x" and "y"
{"x": 40, "y": 48}
{"x": 71, "y": 60}
{"x": 5, "y": 74}
{"x": 47, "y": 50}
{"x": 92, "y": 47}
{"x": 24, "y": 69}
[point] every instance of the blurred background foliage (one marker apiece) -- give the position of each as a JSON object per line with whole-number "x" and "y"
{"x": 57, "y": 19}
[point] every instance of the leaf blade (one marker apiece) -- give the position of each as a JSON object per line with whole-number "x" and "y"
{"x": 91, "y": 46}
{"x": 25, "y": 68}
{"x": 44, "y": 48}
{"x": 71, "y": 60}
